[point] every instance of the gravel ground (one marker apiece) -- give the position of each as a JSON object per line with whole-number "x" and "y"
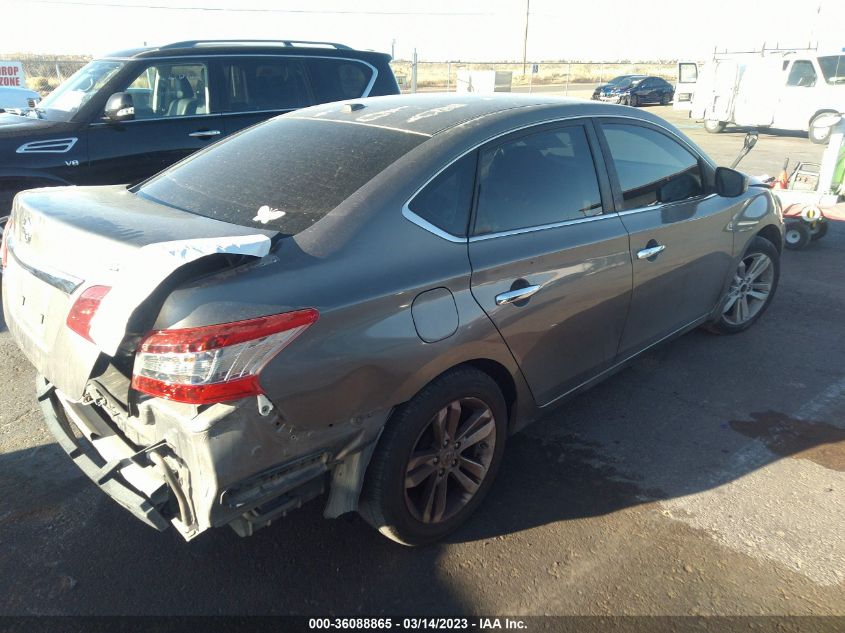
{"x": 707, "y": 478}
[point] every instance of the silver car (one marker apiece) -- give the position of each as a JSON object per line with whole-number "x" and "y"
{"x": 365, "y": 299}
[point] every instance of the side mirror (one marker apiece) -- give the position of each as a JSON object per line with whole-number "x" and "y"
{"x": 120, "y": 107}
{"x": 730, "y": 183}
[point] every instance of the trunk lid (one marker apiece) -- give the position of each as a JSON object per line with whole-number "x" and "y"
{"x": 63, "y": 241}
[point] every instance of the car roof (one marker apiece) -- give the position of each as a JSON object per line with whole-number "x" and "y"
{"x": 244, "y": 47}
{"x": 433, "y": 113}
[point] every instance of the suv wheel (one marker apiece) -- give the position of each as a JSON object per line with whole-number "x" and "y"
{"x": 436, "y": 459}
{"x": 754, "y": 284}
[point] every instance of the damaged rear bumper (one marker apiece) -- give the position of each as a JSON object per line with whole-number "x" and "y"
{"x": 108, "y": 476}
{"x": 223, "y": 466}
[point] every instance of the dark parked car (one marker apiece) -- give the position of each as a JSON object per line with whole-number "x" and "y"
{"x": 373, "y": 315}
{"x": 639, "y": 91}
{"x": 127, "y": 116}
{"x": 606, "y": 87}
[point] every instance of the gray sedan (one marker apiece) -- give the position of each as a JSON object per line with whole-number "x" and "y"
{"x": 366, "y": 299}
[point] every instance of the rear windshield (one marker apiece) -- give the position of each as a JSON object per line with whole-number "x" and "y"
{"x": 284, "y": 175}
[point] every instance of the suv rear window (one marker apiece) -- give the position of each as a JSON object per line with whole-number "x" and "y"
{"x": 284, "y": 175}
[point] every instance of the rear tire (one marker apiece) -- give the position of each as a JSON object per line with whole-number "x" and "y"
{"x": 797, "y": 235}
{"x": 818, "y": 230}
{"x": 714, "y": 127}
{"x": 665, "y": 99}
{"x": 752, "y": 289}
{"x": 421, "y": 483}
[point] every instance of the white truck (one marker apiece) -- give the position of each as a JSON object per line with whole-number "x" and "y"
{"x": 783, "y": 90}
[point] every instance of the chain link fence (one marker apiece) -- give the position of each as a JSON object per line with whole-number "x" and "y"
{"x": 572, "y": 78}
{"x": 44, "y": 73}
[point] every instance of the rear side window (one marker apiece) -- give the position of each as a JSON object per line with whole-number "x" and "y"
{"x": 273, "y": 83}
{"x": 651, "y": 167}
{"x": 445, "y": 202}
{"x": 338, "y": 79}
{"x": 538, "y": 179}
{"x": 275, "y": 176}
{"x": 802, "y": 74}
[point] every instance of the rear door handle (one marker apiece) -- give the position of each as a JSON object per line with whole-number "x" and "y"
{"x": 205, "y": 133}
{"x": 520, "y": 294}
{"x": 651, "y": 251}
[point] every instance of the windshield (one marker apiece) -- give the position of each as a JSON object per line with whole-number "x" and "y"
{"x": 627, "y": 82}
{"x": 285, "y": 174}
{"x": 618, "y": 80}
{"x": 72, "y": 94}
{"x": 833, "y": 68}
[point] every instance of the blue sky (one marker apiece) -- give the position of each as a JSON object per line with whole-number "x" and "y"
{"x": 598, "y": 30}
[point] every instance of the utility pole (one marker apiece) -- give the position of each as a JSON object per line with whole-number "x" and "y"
{"x": 525, "y": 39}
{"x": 393, "y": 49}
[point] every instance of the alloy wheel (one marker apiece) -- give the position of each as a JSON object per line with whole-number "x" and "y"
{"x": 750, "y": 289}
{"x": 450, "y": 460}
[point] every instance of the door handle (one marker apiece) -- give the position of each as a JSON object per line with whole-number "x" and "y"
{"x": 205, "y": 133}
{"x": 520, "y": 294}
{"x": 651, "y": 251}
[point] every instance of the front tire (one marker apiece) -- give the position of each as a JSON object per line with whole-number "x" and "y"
{"x": 819, "y": 135}
{"x": 436, "y": 459}
{"x": 752, "y": 289}
{"x": 797, "y": 235}
{"x": 633, "y": 101}
{"x": 714, "y": 127}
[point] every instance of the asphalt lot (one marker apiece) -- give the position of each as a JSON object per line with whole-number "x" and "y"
{"x": 707, "y": 478}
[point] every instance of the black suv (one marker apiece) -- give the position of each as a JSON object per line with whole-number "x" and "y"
{"x": 125, "y": 117}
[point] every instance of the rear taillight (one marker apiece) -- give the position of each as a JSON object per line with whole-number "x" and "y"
{"x": 84, "y": 309}
{"x": 4, "y": 245}
{"x": 215, "y": 363}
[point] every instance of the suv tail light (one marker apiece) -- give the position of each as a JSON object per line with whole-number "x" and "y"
{"x": 84, "y": 309}
{"x": 4, "y": 245}
{"x": 215, "y": 363}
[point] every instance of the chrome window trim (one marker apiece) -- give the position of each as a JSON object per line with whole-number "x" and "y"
{"x": 543, "y": 227}
{"x": 668, "y": 204}
{"x": 431, "y": 228}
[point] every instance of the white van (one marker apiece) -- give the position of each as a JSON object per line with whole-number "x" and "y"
{"x": 787, "y": 91}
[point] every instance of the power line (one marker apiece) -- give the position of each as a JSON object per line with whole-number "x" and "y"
{"x": 250, "y": 9}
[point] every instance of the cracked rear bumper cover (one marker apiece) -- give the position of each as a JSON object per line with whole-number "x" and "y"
{"x": 107, "y": 477}
{"x": 218, "y": 480}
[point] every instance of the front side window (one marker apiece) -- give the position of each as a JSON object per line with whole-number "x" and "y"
{"x": 833, "y": 68}
{"x": 802, "y": 74}
{"x": 254, "y": 85}
{"x": 70, "y": 96}
{"x": 170, "y": 90}
{"x": 445, "y": 202}
{"x": 651, "y": 167}
{"x": 538, "y": 179}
